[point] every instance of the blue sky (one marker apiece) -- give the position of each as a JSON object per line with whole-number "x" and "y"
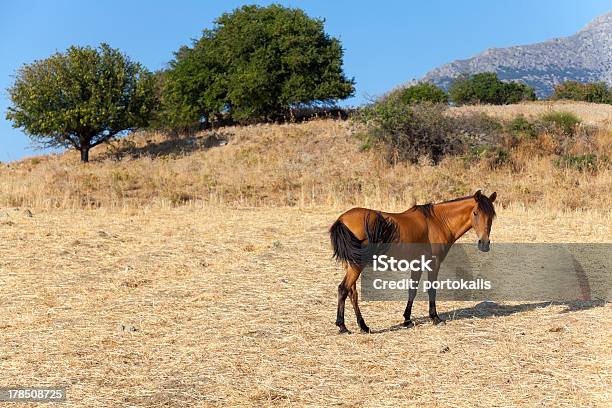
{"x": 386, "y": 43}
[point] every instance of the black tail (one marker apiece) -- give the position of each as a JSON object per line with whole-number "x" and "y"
{"x": 349, "y": 248}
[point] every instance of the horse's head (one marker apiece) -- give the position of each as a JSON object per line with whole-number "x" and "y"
{"x": 482, "y": 218}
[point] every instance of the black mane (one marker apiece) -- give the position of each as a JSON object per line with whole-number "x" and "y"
{"x": 426, "y": 209}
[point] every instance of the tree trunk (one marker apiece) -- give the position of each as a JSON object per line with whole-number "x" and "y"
{"x": 85, "y": 154}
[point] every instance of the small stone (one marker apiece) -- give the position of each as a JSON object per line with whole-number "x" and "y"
{"x": 556, "y": 329}
{"x": 444, "y": 349}
{"x": 28, "y": 213}
{"x": 127, "y": 328}
{"x": 103, "y": 234}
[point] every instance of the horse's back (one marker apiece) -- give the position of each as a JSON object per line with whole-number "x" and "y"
{"x": 354, "y": 219}
{"x": 411, "y": 224}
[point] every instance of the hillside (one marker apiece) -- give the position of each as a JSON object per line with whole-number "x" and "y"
{"x": 585, "y": 56}
{"x": 315, "y": 163}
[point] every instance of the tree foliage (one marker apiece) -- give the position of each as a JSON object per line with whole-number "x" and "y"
{"x": 256, "y": 64}
{"x": 81, "y": 98}
{"x": 597, "y": 92}
{"x": 423, "y": 92}
{"x": 487, "y": 88}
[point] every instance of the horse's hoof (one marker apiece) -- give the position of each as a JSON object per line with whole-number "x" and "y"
{"x": 438, "y": 322}
{"x": 363, "y": 326}
{"x": 344, "y": 330}
{"x": 408, "y": 324}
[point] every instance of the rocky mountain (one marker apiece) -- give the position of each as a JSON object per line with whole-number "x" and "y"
{"x": 585, "y": 56}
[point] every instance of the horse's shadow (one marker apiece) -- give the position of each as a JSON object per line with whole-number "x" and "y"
{"x": 487, "y": 309}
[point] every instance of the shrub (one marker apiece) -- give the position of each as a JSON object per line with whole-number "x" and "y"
{"x": 597, "y": 92}
{"x": 476, "y": 128}
{"x": 582, "y": 162}
{"x": 410, "y": 132}
{"x": 81, "y": 98}
{"x": 256, "y": 64}
{"x": 520, "y": 127}
{"x": 494, "y": 156}
{"x": 487, "y": 88}
{"x": 413, "y": 131}
{"x": 565, "y": 122}
{"x": 423, "y": 92}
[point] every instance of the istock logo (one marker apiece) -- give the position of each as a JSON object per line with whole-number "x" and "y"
{"x": 384, "y": 263}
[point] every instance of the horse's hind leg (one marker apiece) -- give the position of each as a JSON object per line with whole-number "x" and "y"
{"x": 342, "y": 293}
{"x": 352, "y": 274}
{"x": 354, "y": 299}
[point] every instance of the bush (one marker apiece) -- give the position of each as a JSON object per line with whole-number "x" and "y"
{"x": 476, "y": 128}
{"x": 414, "y": 131}
{"x": 582, "y": 162}
{"x": 423, "y": 92}
{"x": 410, "y": 132}
{"x": 256, "y": 64}
{"x": 597, "y": 92}
{"x": 487, "y": 88}
{"x": 565, "y": 122}
{"x": 494, "y": 156}
{"x": 520, "y": 127}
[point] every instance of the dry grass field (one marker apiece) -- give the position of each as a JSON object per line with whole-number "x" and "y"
{"x": 168, "y": 274}
{"x": 210, "y": 306}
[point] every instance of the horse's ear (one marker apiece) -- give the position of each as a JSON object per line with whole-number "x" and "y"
{"x": 493, "y": 196}
{"x": 477, "y": 194}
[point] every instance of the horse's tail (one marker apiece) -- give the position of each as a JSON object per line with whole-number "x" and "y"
{"x": 348, "y": 248}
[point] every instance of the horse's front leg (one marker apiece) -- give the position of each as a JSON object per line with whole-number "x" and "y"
{"x": 415, "y": 276}
{"x": 432, "y": 276}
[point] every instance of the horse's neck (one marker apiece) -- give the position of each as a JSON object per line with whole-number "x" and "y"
{"x": 456, "y": 217}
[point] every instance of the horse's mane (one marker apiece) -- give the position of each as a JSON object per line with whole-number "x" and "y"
{"x": 484, "y": 204}
{"x": 426, "y": 209}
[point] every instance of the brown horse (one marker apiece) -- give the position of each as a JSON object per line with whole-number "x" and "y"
{"x": 441, "y": 223}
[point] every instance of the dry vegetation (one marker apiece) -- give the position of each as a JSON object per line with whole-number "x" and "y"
{"x": 209, "y": 306}
{"x": 153, "y": 277}
{"x": 315, "y": 163}
{"x": 592, "y": 114}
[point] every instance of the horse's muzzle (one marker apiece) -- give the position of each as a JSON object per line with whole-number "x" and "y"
{"x": 484, "y": 246}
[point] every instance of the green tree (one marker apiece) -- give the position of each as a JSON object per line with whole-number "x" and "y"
{"x": 487, "y": 88}
{"x": 597, "y": 92}
{"x": 81, "y": 98}
{"x": 423, "y": 92}
{"x": 256, "y": 64}
{"x": 193, "y": 89}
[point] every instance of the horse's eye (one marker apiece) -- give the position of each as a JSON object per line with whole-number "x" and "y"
{"x": 475, "y": 213}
